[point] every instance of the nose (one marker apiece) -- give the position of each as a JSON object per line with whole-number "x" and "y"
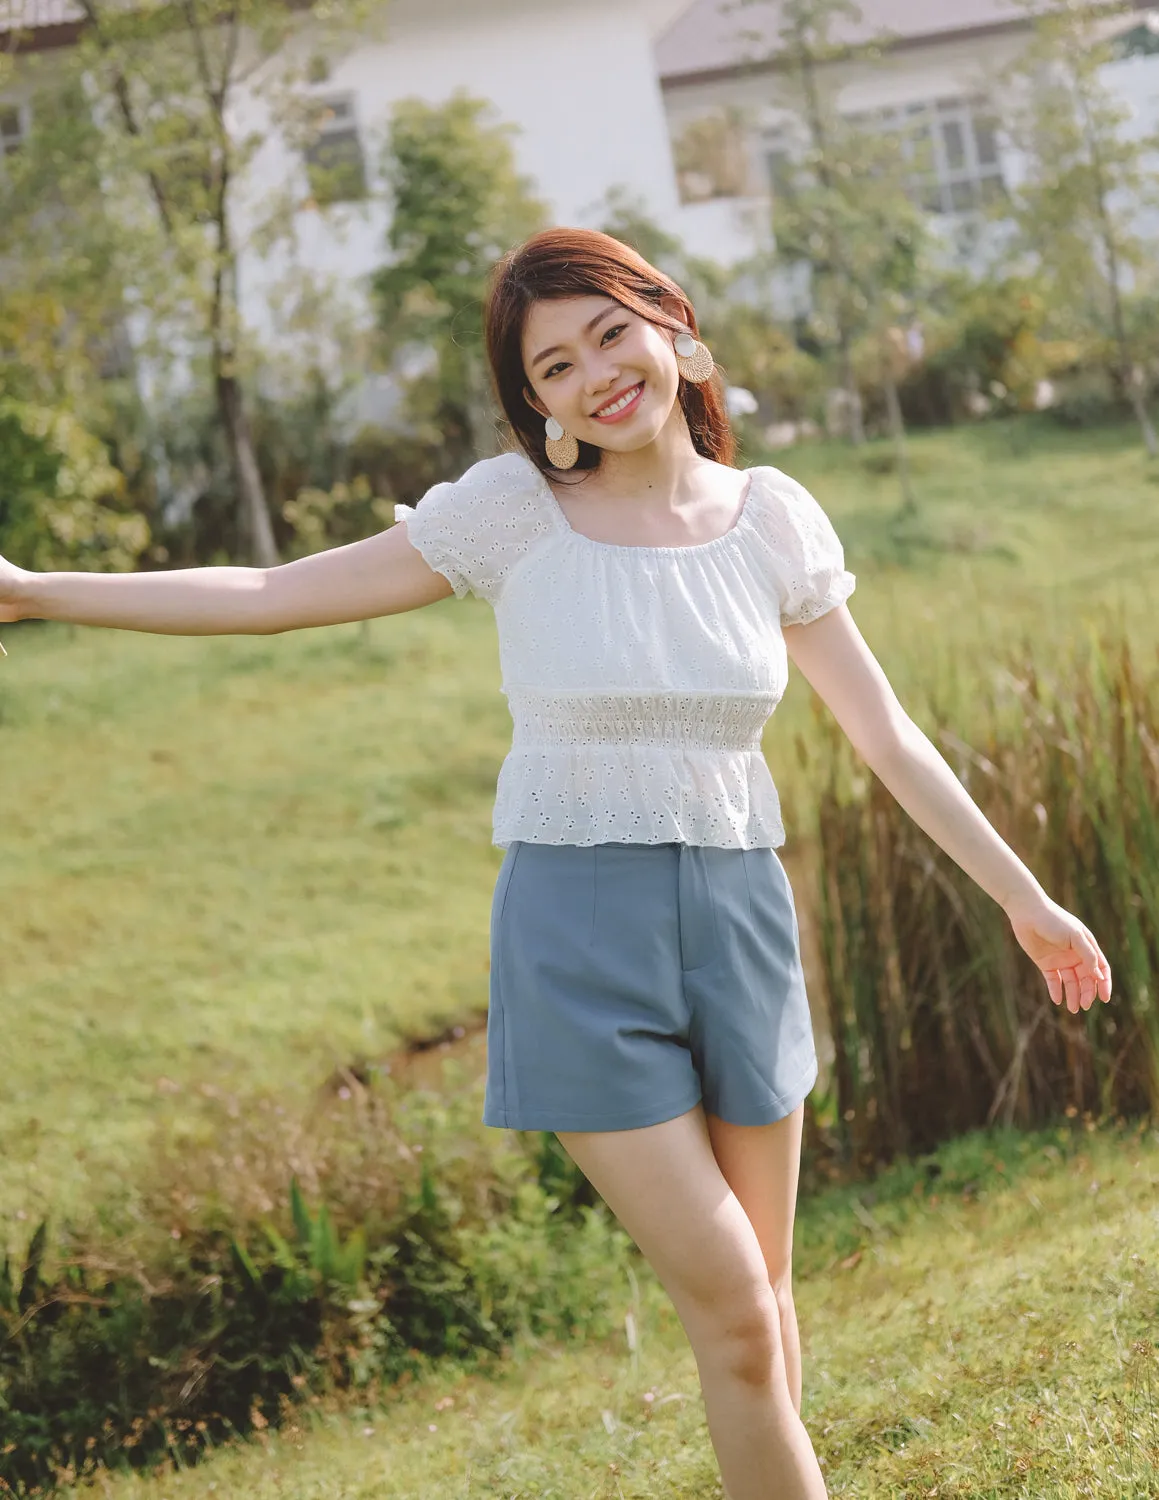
{"x": 600, "y": 376}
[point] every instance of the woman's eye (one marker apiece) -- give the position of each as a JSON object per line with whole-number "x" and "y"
{"x": 554, "y": 369}
{"x": 616, "y": 328}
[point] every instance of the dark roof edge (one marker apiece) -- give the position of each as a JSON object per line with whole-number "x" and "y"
{"x": 775, "y": 64}
{"x": 18, "y": 39}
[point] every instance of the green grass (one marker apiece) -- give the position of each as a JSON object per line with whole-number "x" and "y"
{"x": 985, "y": 1332}
{"x": 240, "y": 862}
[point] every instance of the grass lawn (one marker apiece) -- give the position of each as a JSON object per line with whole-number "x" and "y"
{"x": 985, "y": 1332}
{"x": 239, "y": 862}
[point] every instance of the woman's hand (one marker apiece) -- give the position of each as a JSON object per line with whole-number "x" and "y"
{"x": 13, "y": 584}
{"x": 1071, "y": 961}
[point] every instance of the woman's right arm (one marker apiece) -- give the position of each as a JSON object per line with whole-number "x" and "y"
{"x": 383, "y": 575}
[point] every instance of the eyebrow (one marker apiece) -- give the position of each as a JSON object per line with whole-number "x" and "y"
{"x": 599, "y": 317}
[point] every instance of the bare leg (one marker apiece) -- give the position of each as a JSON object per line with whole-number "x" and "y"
{"x": 666, "y": 1187}
{"x": 762, "y": 1164}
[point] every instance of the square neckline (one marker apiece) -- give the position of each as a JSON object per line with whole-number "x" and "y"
{"x": 564, "y": 525}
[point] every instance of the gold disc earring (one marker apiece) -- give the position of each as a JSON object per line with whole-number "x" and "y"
{"x": 562, "y": 448}
{"x": 693, "y": 360}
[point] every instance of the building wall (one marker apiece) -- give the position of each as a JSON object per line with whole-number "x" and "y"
{"x": 590, "y": 116}
{"x": 733, "y": 228}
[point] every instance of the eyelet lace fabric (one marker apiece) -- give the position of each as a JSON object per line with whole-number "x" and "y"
{"x": 639, "y": 679}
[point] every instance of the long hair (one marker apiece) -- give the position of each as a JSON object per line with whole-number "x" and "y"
{"x": 583, "y": 263}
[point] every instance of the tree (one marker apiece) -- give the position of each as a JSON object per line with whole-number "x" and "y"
{"x": 822, "y": 199}
{"x": 146, "y": 183}
{"x": 748, "y": 344}
{"x": 1086, "y": 181}
{"x": 458, "y": 203}
{"x": 844, "y": 204}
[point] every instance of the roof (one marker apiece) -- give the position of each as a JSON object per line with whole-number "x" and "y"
{"x": 48, "y": 17}
{"x": 715, "y": 37}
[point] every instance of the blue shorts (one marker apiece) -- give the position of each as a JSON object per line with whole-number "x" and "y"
{"x": 630, "y": 981}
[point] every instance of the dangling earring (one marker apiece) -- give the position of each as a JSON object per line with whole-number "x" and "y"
{"x": 562, "y": 448}
{"x": 693, "y": 360}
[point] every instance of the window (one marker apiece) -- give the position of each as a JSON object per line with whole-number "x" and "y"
{"x": 334, "y": 161}
{"x": 711, "y": 159}
{"x": 12, "y": 129}
{"x": 953, "y": 146}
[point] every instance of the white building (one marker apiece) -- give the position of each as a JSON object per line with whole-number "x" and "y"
{"x": 684, "y": 104}
{"x": 576, "y": 77}
{"x": 729, "y": 101}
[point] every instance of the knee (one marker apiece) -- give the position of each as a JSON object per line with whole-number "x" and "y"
{"x": 748, "y": 1341}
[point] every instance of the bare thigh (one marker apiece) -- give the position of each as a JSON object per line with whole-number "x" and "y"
{"x": 666, "y": 1187}
{"x": 762, "y": 1165}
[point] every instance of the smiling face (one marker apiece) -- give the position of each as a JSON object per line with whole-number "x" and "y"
{"x": 607, "y": 375}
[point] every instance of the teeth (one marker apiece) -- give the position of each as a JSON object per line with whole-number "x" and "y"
{"x": 626, "y": 400}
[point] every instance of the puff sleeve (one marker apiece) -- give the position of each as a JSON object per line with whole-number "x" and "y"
{"x": 474, "y": 529}
{"x": 807, "y": 556}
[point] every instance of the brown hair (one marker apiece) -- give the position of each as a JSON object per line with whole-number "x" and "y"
{"x": 584, "y": 263}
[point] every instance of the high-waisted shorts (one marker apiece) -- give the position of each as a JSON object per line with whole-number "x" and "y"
{"x": 631, "y": 981}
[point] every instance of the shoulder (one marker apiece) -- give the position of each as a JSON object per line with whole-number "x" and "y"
{"x": 474, "y": 528}
{"x": 787, "y": 508}
{"x": 504, "y": 477}
{"x": 776, "y": 484}
{"x": 800, "y": 544}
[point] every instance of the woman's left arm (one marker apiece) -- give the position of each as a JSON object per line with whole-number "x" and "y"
{"x": 834, "y": 658}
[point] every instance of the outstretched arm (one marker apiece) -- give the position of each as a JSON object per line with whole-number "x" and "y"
{"x": 383, "y": 575}
{"x": 835, "y": 659}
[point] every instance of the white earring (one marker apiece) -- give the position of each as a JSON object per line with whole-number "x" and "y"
{"x": 693, "y": 360}
{"x": 562, "y": 448}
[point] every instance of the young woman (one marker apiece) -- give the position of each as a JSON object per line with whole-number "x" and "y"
{"x": 646, "y": 995}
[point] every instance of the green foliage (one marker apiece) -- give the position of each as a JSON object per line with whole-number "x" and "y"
{"x": 939, "y": 1022}
{"x": 986, "y": 350}
{"x": 152, "y": 1345}
{"x": 844, "y": 205}
{"x": 1086, "y": 179}
{"x": 61, "y": 500}
{"x": 458, "y": 203}
{"x": 1081, "y": 202}
{"x": 329, "y": 518}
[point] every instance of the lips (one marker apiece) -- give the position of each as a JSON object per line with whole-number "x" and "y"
{"x": 622, "y": 404}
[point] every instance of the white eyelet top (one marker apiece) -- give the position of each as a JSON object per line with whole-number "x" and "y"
{"x": 639, "y": 679}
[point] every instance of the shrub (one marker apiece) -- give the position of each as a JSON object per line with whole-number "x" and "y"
{"x": 61, "y": 500}
{"x": 278, "y": 1257}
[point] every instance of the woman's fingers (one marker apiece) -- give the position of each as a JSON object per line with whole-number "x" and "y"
{"x": 1054, "y": 984}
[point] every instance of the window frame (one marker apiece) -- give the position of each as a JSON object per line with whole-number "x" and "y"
{"x": 942, "y": 186}
{"x": 9, "y": 144}
{"x": 344, "y": 128}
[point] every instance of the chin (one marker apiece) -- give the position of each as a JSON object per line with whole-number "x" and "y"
{"x": 641, "y": 435}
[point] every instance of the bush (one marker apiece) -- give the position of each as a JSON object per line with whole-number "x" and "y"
{"x": 279, "y": 1258}
{"x": 61, "y": 500}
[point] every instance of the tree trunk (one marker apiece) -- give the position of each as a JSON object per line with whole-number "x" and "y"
{"x": 852, "y": 391}
{"x": 259, "y": 531}
{"x": 480, "y": 413}
{"x": 1125, "y": 372}
{"x": 909, "y": 503}
{"x": 1143, "y": 417}
{"x": 816, "y": 119}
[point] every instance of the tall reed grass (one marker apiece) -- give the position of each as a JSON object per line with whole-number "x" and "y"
{"x": 939, "y": 1021}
